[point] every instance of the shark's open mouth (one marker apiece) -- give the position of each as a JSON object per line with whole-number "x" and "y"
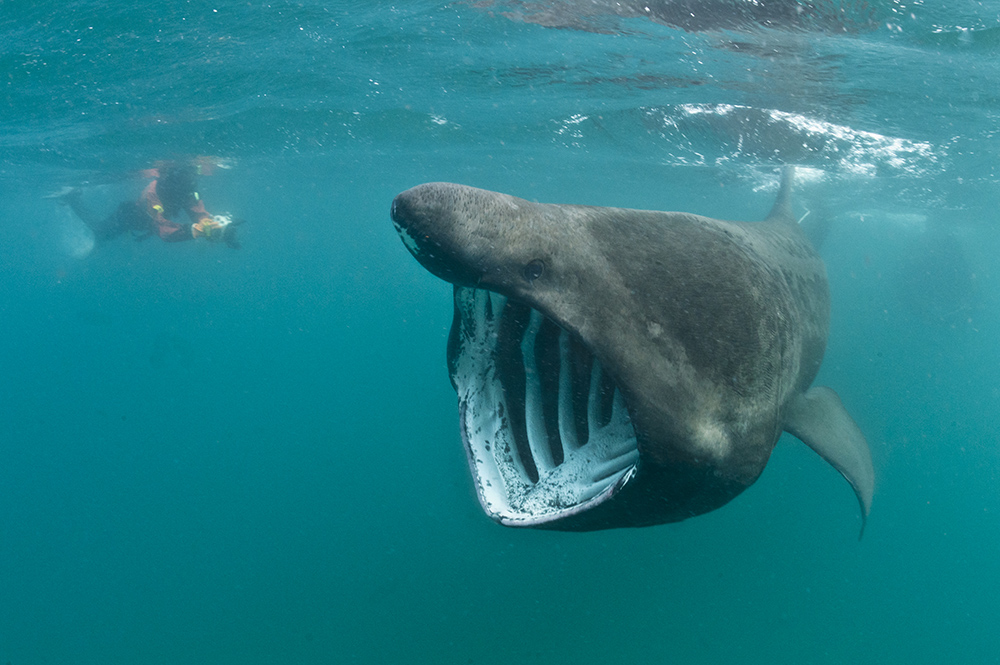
{"x": 546, "y": 429}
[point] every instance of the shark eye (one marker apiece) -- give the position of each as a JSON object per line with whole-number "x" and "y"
{"x": 533, "y": 270}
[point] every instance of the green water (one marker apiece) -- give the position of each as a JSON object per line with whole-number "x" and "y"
{"x": 217, "y": 456}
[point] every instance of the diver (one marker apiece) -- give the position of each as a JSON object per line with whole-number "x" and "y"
{"x": 172, "y": 190}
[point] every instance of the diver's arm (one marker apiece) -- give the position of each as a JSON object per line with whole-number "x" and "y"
{"x": 197, "y": 212}
{"x": 174, "y": 232}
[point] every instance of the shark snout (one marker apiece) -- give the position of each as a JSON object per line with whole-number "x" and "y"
{"x": 401, "y": 211}
{"x": 430, "y": 231}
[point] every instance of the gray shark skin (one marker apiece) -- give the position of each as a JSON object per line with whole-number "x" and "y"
{"x": 625, "y": 368}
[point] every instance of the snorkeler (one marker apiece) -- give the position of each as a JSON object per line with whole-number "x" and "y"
{"x": 172, "y": 190}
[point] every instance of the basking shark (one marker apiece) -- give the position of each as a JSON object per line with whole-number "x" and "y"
{"x": 624, "y": 368}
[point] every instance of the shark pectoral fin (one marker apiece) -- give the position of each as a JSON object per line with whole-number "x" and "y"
{"x": 819, "y": 419}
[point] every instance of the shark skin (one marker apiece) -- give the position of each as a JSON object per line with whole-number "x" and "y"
{"x": 625, "y": 368}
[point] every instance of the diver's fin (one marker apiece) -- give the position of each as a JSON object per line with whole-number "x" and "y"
{"x": 782, "y": 210}
{"x": 819, "y": 419}
{"x": 64, "y": 193}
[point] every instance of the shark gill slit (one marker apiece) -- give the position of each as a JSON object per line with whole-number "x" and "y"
{"x": 555, "y": 391}
{"x": 511, "y": 373}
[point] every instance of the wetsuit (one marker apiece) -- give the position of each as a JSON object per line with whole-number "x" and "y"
{"x": 158, "y": 212}
{"x": 171, "y": 190}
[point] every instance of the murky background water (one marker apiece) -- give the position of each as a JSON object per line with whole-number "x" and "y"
{"x": 215, "y": 456}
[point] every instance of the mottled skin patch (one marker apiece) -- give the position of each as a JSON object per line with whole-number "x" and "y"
{"x": 708, "y": 327}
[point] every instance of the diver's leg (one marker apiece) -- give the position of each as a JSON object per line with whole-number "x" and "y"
{"x": 115, "y": 224}
{"x": 104, "y": 228}
{"x": 74, "y": 199}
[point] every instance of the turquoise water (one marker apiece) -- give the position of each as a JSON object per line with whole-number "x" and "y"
{"x": 217, "y": 456}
